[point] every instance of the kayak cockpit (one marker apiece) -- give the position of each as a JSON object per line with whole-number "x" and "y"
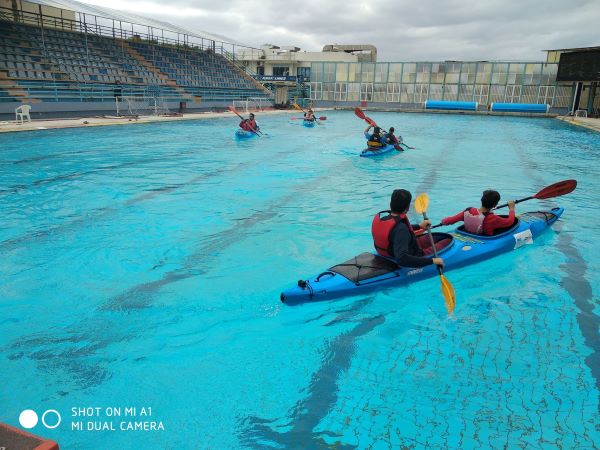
{"x": 534, "y": 216}
{"x": 498, "y": 233}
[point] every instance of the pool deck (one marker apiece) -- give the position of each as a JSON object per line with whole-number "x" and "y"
{"x": 586, "y": 122}
{"x": 46, "y": 124}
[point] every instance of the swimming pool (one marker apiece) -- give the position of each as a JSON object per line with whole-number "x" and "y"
{"x": 142, "y": 267}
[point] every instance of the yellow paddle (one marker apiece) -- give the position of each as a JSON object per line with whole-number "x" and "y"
{"x": 297, "y": 106}
{"x": 421, "y": 204}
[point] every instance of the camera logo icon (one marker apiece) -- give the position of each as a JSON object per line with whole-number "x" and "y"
{"x": 50, "y": 419}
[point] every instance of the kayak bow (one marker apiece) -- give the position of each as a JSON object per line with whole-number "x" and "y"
{"x": 243, "y": 134}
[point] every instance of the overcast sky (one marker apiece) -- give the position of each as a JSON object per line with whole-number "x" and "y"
{"x": 401, "y": 30}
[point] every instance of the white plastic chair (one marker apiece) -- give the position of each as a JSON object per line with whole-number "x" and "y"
{"x": 22, "y": 112}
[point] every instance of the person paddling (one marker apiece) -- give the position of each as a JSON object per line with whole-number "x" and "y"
{"x": 249, "y": 124}
{"x": 375, "y": 140}
{"x": 309, "y": 115}
{"x": 483, "y": 221}
{"x": 394, "y": 236}
{"x": 391, "y": 138}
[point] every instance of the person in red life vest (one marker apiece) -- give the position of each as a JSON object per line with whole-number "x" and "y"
{"x": 249, "y": 124}
{"x": 483, "y": 220}
{"x": 394, "y": 236}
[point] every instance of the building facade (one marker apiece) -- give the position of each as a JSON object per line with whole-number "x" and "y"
{"x": 410, "y": 84}
{"x": 580, "y": 66}
{"x": 288, "y": 70}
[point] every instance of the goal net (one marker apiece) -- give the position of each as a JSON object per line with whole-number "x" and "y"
{"x": 141, "y": 106}
{"x": 251, "y": 104}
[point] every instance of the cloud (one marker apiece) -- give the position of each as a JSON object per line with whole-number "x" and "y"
{"x": 402, "y": 30}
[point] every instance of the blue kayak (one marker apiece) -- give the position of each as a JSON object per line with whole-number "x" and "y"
{"x": 369, "y": 271}
{"x": 243, "y": 134}
{"x": 370, "y": 151}
{"x": 309, "y": 123}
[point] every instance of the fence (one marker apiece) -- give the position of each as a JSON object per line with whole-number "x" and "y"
{"x": 416, "y": 82}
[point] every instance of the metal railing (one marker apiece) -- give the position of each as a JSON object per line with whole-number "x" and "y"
{"x": 65, "y": 24}
{"x": 81, "y": 92}
{"x": 230, "y": 56}
{"x": 55, "y": 90}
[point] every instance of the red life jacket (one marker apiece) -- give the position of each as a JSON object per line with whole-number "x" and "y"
{"x": 381, "y": 229}
{"x": 248, "y": 125}
{"x": 473, "y": 219}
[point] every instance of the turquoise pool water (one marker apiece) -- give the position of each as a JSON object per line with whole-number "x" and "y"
{"x": 142, "y": 265}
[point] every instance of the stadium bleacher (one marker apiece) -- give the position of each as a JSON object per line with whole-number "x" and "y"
{"x": 42, "y": 64}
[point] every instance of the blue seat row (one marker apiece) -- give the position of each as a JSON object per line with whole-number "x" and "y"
{"x": 70, "y": 64}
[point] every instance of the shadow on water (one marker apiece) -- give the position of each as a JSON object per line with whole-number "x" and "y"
{"x": 85, "y": 339}
{"x": 103, "y": 213}
{"x": 322, "y": 395}
{"x": 580, "y": 291}
{"x": 69, "y": 176}
{"x": 575, "y": 282}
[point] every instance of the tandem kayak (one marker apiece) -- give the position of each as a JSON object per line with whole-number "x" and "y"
{"x": 309, "y": 123}
{"x": 243, "y": 134}
{"x": 368, "y": 271}
{"x": 368, "y": 152}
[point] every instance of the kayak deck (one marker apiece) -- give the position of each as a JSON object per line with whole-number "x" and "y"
{"x": 369, "y": 152}
{"x": 243, "y": 134}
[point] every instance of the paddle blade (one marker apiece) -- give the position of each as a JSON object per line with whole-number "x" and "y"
{"x": 421, "y": 203}
{"x": 557, "y": 189}
{"x": 235, "y": 111}
{"x": 370, "y": 121}
{"x": 359, "y": 113}
{"x": 448, "y": 293}
{"x": 296, "y": 106}
{"x": 323, "y": 118}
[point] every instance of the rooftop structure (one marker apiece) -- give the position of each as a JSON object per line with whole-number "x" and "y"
{"x": 287, "y": 69}
{"x": 363, "y": 52}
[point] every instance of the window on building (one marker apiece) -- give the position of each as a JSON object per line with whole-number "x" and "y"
{"x": 303, "y": 72}
{"x": 481, "y": 93}
{"x": 393, "y": 92}
{"x": 366, "y": 92}
{"x": 421, "y": 92}
{"x": 315, "y": 91}
{"x": 281, "y": 71}
{"x": 513, "y": 93}
{"x": 353, "y": 92}
{"x": 341, "y": 92}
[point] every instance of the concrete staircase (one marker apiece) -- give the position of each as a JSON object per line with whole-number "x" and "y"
{"x": 242, "y": 71}
{"x": 14, "y": 90}
{"x": 152, "y": 68}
